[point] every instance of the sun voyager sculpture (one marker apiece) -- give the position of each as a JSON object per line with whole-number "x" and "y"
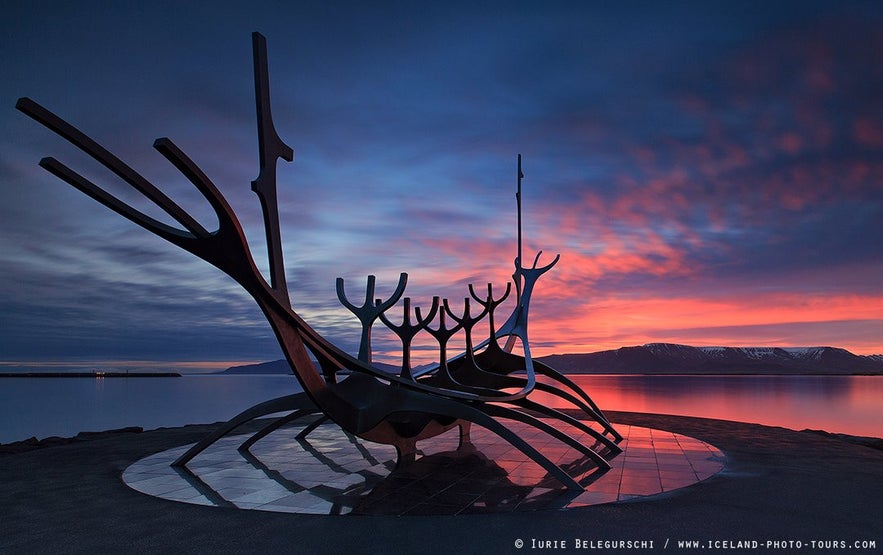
{"x": 486, "y": 385}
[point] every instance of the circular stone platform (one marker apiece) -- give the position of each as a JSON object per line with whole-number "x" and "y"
{"x": 335, "y": 473}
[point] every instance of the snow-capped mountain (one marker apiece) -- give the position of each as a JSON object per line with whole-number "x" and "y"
{"x": 670, "y": 358}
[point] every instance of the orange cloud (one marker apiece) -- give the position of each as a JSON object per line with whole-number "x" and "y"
{"x": 610, "y": 323}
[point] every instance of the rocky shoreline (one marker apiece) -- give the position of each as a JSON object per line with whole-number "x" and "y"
{"x": 33, "y": 443}
{"x": 777, "y": 483}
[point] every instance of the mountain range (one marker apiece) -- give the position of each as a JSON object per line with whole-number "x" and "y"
{"x": 670, "y": 358}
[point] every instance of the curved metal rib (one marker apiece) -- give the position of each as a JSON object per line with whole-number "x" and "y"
{"x": 442, "y": 335}
{"x": 406, "y": 331}
{"x": 370, "y": 310}
{"x": 578, "y": 424}
{"x": 467, "y": 322}
{"x": 109, "y": 161}
{"x": 503, "y": 412}
{"x": 280, "y": 404}
{"x": 278, "y": 423}
{"x": 525, "y": 280}
{"x": 595, "y": 412}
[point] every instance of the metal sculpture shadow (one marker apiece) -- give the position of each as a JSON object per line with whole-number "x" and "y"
{"x": 477, "y": 387}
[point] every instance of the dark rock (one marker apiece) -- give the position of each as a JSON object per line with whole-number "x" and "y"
{"x": 19, "y": 446}
{"x": 126, "y": 430}
{"x": 872, "y": 442}
{"x": 33, "y": 443}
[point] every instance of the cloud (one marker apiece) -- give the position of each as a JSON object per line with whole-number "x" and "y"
{"x": 689, "y": 161}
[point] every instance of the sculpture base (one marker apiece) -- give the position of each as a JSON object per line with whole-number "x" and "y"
{"x": 334, "y": 473}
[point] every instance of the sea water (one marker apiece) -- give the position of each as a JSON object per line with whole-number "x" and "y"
{"x": 43, "y": 407}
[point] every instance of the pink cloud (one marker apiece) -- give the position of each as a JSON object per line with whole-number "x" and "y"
{"x": 868, "y": 133}
{"x": 611, "y": 322}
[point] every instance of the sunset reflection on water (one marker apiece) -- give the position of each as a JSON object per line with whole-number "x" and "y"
{"x": 44, "y": 407}
{"x": 844, "y": 404}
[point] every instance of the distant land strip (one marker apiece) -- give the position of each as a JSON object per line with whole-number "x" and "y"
{"x": 89, "y": 375}
{"x": 674, "y": 359}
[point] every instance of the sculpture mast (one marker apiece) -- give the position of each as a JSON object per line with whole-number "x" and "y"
{"x": 524, "y": 278}
{"x": 271, "y": 148}
{"x": 516, "y": 320}
{"x": 518, "y": 259}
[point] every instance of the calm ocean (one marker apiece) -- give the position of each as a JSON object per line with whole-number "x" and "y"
{"x": 45, "y": 407}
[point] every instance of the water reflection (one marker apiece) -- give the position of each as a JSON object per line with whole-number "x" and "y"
{"x": 44, "y": 407}
{"x": 846, "y": 404}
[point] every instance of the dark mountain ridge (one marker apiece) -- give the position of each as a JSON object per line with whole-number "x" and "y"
{"x": 671, "y": 358}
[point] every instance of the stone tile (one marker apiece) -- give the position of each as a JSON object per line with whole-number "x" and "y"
{"x": 301, "y": 500}
{"x": 330, "y": 474}
{"x": 594, "y": 498}
{"x": 262, "y": 496}
{"x": 159, "y": 485}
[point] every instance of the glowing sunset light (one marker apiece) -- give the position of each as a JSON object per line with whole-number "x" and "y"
{"x": 710, "y": 175}
{"x": 607, "y": 323}
{"x": 739, "y": 398}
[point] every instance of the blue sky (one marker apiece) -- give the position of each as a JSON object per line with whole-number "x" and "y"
{"x": 711, "y": 173}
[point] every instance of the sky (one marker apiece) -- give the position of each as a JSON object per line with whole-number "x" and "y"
{"x": 711, "y": 173}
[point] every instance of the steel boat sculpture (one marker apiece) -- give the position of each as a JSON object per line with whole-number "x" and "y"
{"x": 486, "y": 385}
